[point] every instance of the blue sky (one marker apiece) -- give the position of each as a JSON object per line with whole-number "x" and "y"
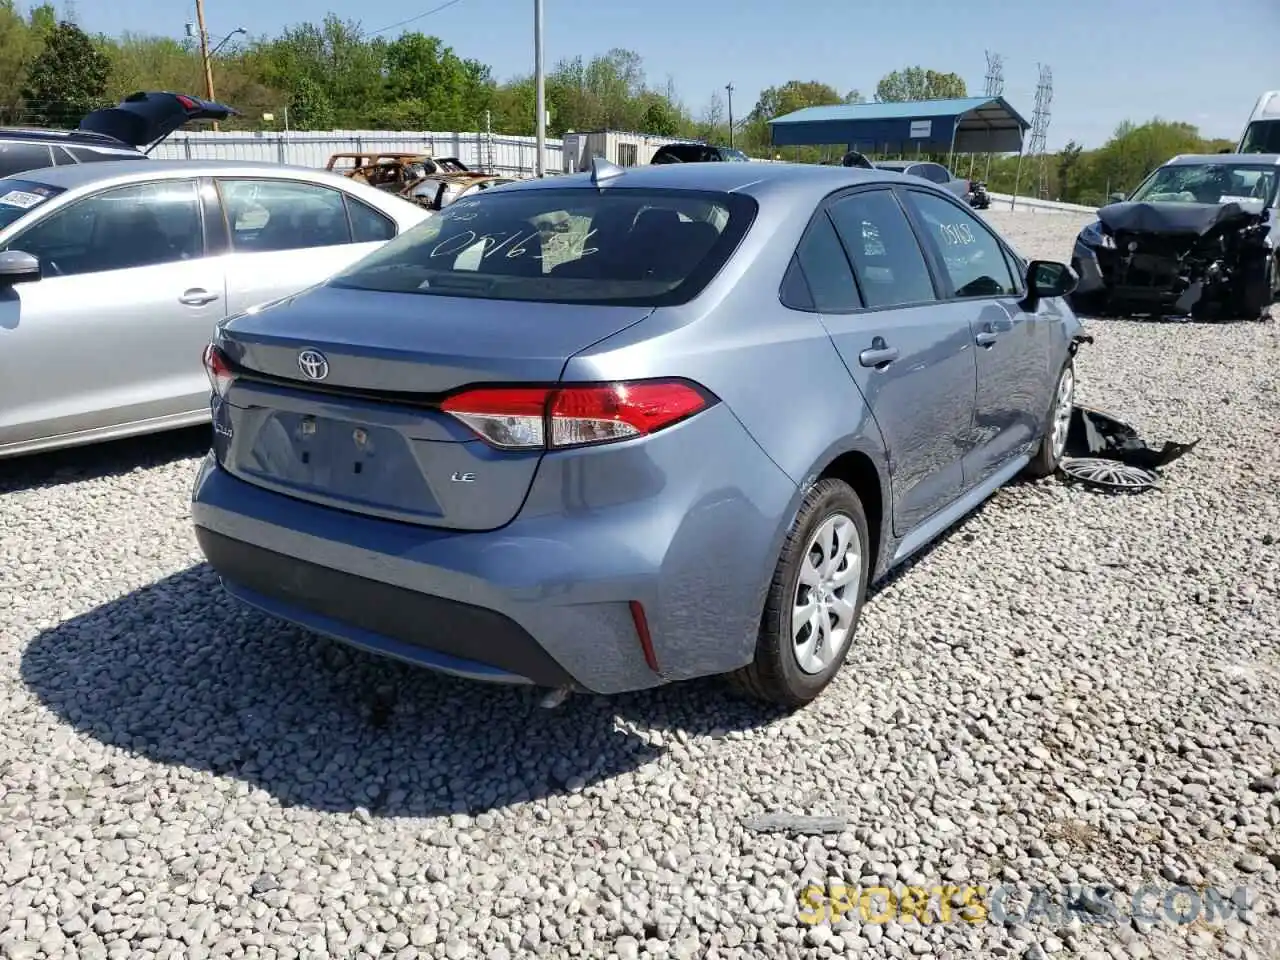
{"x": 1202, "y": 62}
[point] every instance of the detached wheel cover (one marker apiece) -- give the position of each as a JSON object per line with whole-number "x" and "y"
{"x": 1112, "y": 476}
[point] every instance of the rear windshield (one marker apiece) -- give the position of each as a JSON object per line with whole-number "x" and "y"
{"x": 625, "y": 247}
{"x": 19, "y": 197}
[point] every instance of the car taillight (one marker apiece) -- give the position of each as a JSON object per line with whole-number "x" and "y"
{"x": 531, "y": 418}
{"x": 218, "y": 369}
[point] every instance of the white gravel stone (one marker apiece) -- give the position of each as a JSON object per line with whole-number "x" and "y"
{"x": 1031, "y": 700}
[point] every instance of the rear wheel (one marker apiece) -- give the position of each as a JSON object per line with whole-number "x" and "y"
{"x": 814, "y": 601}
{"x": 1053, "y": 443}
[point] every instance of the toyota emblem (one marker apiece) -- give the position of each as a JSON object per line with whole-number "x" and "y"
{"x": 313, "y": 364}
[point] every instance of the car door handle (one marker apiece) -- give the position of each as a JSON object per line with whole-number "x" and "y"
{"x": 878, "y": 356}
{"x": 197, "y": 297}
{"x": 987, "y": 339}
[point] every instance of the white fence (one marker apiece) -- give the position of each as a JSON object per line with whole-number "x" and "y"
{"x": 498, "y": 154}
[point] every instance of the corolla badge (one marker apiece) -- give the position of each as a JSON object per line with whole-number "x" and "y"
{"x": 313, "y": 364}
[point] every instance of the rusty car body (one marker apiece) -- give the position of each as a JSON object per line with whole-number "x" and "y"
{"x": 431, "y": 182}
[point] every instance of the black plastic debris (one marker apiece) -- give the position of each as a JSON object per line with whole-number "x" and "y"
{"x": 1105, "y": 453}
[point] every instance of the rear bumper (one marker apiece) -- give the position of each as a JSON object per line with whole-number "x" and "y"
{"x": 683, "y": 523}
{"x": 374, "y": 615}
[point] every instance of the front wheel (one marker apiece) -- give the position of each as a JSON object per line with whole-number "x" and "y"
{"x": 1053, "y": 442}
{"x": 814, "y": 601}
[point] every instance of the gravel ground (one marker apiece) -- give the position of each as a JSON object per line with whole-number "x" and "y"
{"x": 1071, "y": 689}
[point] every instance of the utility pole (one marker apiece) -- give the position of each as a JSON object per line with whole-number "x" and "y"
{"x": 540, "y": 86}
{"x": 729, "y": 89}
{"x": 204, "y": 52}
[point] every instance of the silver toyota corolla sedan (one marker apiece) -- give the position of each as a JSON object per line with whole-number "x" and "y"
{"x": 678, "y": 438}
{"x": 113, "y": 275}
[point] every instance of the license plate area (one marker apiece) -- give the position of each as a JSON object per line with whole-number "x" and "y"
{"x": 360, "y": 464}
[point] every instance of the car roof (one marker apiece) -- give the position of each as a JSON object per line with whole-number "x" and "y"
{"x": 798, "y": 179}
{"x": 1259, "y": 159}
{"x": 71, "y": 176}
{"x": 896, "y": 164}
{"x": 84, "y": 138}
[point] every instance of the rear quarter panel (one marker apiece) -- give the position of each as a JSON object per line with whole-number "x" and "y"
{"x": 774, "y": 368}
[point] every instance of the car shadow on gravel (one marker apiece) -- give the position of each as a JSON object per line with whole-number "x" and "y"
{"x": 180, "y": 674}
{"x": 100, "y": 460}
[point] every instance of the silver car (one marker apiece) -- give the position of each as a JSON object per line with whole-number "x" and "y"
{"x": 112, "y": 277}
{"x": 933, "y": 172}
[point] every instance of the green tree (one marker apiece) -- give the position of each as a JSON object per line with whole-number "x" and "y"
{"x": 1068, "y": 160}
{"x": 917, "y": 83}
{"x": 67, "y": 79}
{"x": 309, "y": 107}
{"x": 431, "y": 88}
{"x": 660, "y": 119}
{"x": 336, "y": 56}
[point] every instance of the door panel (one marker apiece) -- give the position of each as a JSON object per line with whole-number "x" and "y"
{"x": 285, "y": 236}
{"x": 112, "y": 332}
{"x": 1012, "y": 346}
{"x": 98, "y": 350}
{"x": 911, "y": 356}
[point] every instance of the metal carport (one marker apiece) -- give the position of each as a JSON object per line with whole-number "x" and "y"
{"x": 965, "y": 125}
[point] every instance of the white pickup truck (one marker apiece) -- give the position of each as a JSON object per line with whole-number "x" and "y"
{"x": 1262, "y": 132}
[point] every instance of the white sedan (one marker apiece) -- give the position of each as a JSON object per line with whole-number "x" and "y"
{"x": 112, "y": 276}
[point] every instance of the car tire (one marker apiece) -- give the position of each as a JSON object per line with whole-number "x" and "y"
{"x": 792, "y": 666}
{"x": 1057, "y": 424}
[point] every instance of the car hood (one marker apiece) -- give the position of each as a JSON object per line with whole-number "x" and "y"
{"x": 1176, "y": 217}
{"x": 146, "y": 118}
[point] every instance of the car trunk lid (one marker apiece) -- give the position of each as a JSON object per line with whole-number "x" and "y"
{"x": 336, "y": 398}
{"x": 146, "y": 118}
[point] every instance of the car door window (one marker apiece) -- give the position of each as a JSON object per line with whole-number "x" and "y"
{"x": 974, "y": 259}
{"x": 271, "y": 215}
{"x": 887, "y": 260}
{"x": 937, "y": 173}
{"x": 17, "y": 157}
{"x": 140, "y": 225}
{"x": 820, "y": 277}
{"x": 367, "y": 224}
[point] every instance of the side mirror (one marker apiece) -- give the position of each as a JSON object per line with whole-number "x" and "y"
{"x": 1047, "y": 279}
{"x": 18, "y": 267}
{"x": 1118, "y": 197}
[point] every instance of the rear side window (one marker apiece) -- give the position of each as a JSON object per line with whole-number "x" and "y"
{"x": 887, "y": 260}
{"x": 823, "y": 266}
{"x": 18, "y": 157}
{"x": 622, "y": 247}
{"x": 367, "y": 224}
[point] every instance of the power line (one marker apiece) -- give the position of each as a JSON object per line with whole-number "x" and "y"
{"x": 427, "y": 13}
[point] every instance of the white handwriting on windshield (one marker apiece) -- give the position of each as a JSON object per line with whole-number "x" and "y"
{"x": 515, "y": 244}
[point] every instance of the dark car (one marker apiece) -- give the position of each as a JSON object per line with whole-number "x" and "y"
{"x": 126, "y": 131}
{"x": 1197, "y": 237}
{"x": 698, "y": 153}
